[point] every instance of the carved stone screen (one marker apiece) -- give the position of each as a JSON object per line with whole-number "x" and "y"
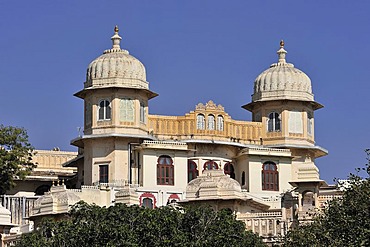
{"x": 127, "y": 110}
{"x": 295, "y": 122}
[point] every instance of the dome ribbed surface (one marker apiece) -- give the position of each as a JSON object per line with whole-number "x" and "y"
{"x": 282, "y": 81}
{"x": 116, "y": 67}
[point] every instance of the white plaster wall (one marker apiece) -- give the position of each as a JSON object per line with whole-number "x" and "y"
{"x": 88, "y": 153}
{"x": 255, "y": 171}
{"x": 285, "y": 174}
{"x": 242, "y": 164}
{"x": 216, "y": 151}
{"x": 94, "y": 195}
{"x": 149, "y": 166}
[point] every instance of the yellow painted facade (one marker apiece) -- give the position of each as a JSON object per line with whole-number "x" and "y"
{"x": 185, "y": 127}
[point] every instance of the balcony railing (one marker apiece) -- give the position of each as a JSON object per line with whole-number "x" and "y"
{"x": 20, "y": 207}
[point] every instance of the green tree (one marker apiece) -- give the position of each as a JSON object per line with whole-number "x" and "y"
{"x": 345, "y": 222}
{"x": 15, "y": 156}
{"x": 121, "y": 225}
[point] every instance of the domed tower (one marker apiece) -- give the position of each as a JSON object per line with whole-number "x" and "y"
{"x": 115, "y": 96}
{"x": 283, "y": 101}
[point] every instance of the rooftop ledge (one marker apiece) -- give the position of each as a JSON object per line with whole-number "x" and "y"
{"x": 319, "y": 151}
{"x": 164, "y": 144}
{"x": 81, "y": 94}
{"x": 266, "y": 151}
{"x": 79, "y": 140}
{"x": 237, "y": 144}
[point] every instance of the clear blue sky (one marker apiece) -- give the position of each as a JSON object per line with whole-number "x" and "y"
{"x": 193, "y": 51}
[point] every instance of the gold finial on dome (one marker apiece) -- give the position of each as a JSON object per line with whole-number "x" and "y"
{"x": 116, "y": 39}
{"x": 282, "y": 43}
{"x": 281, "y": 53}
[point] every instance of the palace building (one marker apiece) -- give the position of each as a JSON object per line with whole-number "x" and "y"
{"x": 263, "y": 170}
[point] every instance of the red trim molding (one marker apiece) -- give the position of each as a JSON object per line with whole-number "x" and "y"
{"x": 148, "y": 195}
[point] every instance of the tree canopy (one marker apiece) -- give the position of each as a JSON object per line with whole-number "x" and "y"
{"x": 122, "y": 225}
{"x": 345, "y": 221}
{"x": 15, "y": 156}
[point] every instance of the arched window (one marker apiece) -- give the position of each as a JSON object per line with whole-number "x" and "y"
{"x": 173, "y": 198}
{"x": 104, "y": 110}
{"x": 165, "y": 170}
{"x": 229, "y": 170}
{"x": 147, "y": 200}
{"x": 309, "y": 123}
{"x": 210, "y": 165}
{"x": 273, "y": 122}
{"x": 211, "y": 122}
{"x": 243, "y": 178}
{"x": 270, "y": 176}
{"x": 147, "y": 203}
{"x": 200, "y": 122}
{"x": 192, "y": 170}
{"x": 308, "y": 200}
{"x": 220, "y": 123}
{"x": 42, "y": 189}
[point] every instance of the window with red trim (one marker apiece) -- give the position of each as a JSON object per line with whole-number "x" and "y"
{"x": 229, "y": 170}
{"x": 210, "y": 165}
{"x": 147, "y": 203}
{"x": 148, "y": 200}
{"x": 173, "y": 198}
{"x": 192, "y": 170}
{"x": 165, "y": 170}
{"x": 270, "y": 176}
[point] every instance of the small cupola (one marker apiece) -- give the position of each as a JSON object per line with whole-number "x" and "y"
{"x": 116, "y": 68}
{"x": 282, "y": 81}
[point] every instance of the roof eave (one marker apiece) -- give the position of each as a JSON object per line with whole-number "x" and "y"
{"x": 315, "y": 105}
{"x": 82, "y": 93}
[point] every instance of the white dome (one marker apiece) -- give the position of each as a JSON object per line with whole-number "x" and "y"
{"x": 5, "y": 216}
{"x": 282, "y": 81}
{"x": 116, "y": 68}
{"x": 213, "y": 184}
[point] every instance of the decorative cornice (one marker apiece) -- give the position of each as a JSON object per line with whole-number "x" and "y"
{"x": 210, "y": 105}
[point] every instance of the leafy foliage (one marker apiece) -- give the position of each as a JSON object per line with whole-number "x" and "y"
{"x": 122, "y": 225}
{"x": 15, "y": 156}
{"x": 345, "y": 222}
